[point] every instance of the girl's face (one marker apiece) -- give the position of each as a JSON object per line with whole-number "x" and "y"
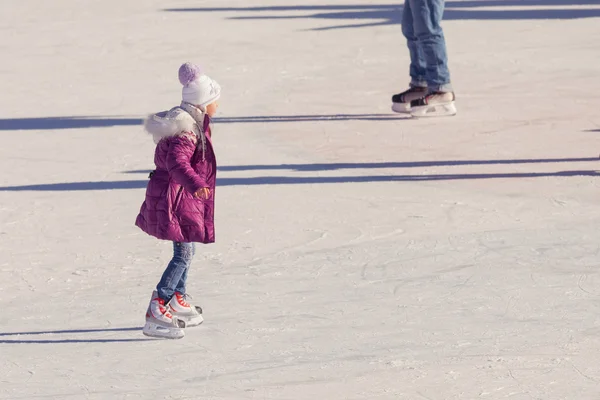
{"x": 211, "y": 109}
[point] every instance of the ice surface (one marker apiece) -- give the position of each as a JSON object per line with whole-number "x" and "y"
{"x": 359, "y": 254}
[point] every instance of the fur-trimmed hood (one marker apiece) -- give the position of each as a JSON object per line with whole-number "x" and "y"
{"x": 181, "y": 120}
{"x": 175, "y": 121}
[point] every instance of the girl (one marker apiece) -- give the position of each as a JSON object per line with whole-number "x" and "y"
{"x": 179, "y": 204}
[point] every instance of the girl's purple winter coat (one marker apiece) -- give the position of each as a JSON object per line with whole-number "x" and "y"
{"x": 185, "y": 162}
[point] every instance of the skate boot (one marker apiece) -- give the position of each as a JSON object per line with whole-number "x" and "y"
{"x": 160, "y": 322}
{"x": 401, "y": 101}
{"x": 435, "y": 104}
{"x": 181, "y": 309}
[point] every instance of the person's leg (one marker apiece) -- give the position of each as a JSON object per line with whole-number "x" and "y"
{"x": 160, "y": 322}
{"x": 427, "y": 18}
{"x": 179, "y": 307}
{"x": 182, "y": 257}
{"x": 417, "y": 68}
{"x": 181, "y": 286}
{"x": 418, "y": 85}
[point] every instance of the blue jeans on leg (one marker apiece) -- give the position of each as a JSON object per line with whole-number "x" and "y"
{"x": 421, "y": 25}
{"x": 175, "y": 275}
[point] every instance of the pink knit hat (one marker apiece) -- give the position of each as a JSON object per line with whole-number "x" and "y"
{"x": 198, "y": 89}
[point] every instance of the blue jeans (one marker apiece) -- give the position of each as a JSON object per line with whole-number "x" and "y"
{"x": 174, "y": 278}
{"x": 421, "y": 21}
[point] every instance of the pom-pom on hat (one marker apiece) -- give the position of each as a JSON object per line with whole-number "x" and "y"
{"x": 198, "y": 88}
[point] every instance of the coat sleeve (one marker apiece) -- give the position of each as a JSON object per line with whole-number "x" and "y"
{"x": 178, "y": 160}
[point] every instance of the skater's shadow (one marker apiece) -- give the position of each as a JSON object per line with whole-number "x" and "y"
{"x": 316, "y": 178}
{"x": 69, "y": 332}
{"x": 59, "y": 123}
{"x": 56, "y": 123}
{"x": 370, "y": 15}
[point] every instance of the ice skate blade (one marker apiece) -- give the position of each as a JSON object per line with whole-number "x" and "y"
{"x": 191, "y": 318}
{"x": 401, "y": 108}
{"x": 437, "y": 110}
{"x": 191, "y": 321}
{"x": 154, "y": 330}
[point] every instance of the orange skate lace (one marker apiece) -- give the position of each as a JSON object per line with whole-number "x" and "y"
{"x": 181, "y": 299}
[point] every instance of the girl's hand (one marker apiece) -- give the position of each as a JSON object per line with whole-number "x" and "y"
{"x": 203, "y": 193}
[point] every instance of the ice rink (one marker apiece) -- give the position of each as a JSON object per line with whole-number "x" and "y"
{"x": 360, "y": 254}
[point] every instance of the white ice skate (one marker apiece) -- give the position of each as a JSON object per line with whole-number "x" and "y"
{"x": 160, "y": 322}
{"x": 436, "y": 104}
{"x": 192, "y": 315}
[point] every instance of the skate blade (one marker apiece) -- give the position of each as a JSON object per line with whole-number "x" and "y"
{"x": 154, "y": 330}
{"x": 438, "y": 110}
{"x": 193, "y": 321}
{"x": 189, "y": 319}
{"x": 401, "y": 108}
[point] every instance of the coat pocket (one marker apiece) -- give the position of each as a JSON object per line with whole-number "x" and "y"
{"x": 177, "y": 200}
